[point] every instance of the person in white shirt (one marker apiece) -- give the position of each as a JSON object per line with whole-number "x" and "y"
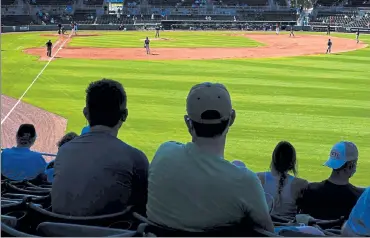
{"x": 191, "y": 187}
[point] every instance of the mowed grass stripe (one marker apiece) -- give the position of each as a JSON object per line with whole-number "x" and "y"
{"x": 311, "y": 101}
{"x": 169, "y": 40}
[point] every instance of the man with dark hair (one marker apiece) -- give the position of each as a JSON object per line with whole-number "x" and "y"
{"x": 336, "y": 196}
{"x": 96, "y": 173}
{"x": 191, "y": 186}
{"x": 20, "y": 163}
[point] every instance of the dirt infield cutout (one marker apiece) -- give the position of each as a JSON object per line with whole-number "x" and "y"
{"x": 275, "y": 46}
{"x": 49, "y": 127}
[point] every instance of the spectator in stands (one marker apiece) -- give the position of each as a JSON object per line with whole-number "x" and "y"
{"x": 20, "y": 163}
{"x": 336, "y": 196}
{"x": 49, "y": 170}
{"x": 284, "y": 188}
{"x": 191, "y": 186}
{"x": 85, "y": 130}
{"x": 358, "y": 223}
{"x": 96, "y": 173}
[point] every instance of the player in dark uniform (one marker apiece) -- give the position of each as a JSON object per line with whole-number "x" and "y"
{"x": 49, "y": 47}
{"x": 146, "y": 45}
{"x": 328, "y": 30}
{"x": 358, "y": 36}
{"x": 157, "y": 28}
{"x": 60, "y": 29}
{"x": 291, "y": 31}
{"x": 328, "y": 50}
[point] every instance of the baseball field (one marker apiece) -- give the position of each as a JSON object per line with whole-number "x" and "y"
{"x": 282, "y": 89}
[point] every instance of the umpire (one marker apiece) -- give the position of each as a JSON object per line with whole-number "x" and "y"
{"x": 49, "y": 46}
{"x": 60, "y": 29}
{"x": 157, "y": 28}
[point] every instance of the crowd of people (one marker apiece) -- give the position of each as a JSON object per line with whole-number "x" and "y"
{"x": 191, "y": 186}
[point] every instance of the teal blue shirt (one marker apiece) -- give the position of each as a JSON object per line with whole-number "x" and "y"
{"x": 21, "y": 163}
{"x": 358, "y": 223}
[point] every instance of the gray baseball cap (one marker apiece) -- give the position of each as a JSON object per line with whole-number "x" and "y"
{"x": 341, "y": 153}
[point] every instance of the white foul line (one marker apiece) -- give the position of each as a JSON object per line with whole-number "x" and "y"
{"x": 33, "y": 82}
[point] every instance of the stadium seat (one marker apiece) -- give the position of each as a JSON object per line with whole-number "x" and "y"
{"x": 51, "y": 229}
{"x": 7, "y": 201}
{"x": 37, "y": 215}
{"x": 279, "y": 219}
{"x": 14, "y": 189}
{"x": 7, "y": 231}
{"x": 334, "y": 231}
{"x": 239, "y": 230}
{"x": 12, "y": 207}
{"x": 270, "y": 202}
{"x": 9, "y": 221}
{"x": 290, "y": 233}
{"x": 327, "y": 224}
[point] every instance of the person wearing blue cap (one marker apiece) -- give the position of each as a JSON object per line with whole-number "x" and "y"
{"x": 334, "y": 197}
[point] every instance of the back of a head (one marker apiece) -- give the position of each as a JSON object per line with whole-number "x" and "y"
{"x": 26, "y": 134}
{"x": 66, "y": 138}
{"x": 284, "y": 158}
{"x": 209, "y": 110}
{"x": 106, "y": 102}
{"x": 343, "y": 159}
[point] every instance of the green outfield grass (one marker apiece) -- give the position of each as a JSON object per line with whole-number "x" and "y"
{"x": 311, "y": 101}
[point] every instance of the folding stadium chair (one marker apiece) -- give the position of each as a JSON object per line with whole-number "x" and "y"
{"x": 239, "y": 230}
{"x": 51, "y": 229}
{"x": 7, "y": 201}
{"x": 328, "y": 224}
{"x": 37, "y": 215}
{"x": 14, "y": 189}
{"x": 9, "y": 221}
{"x": 270, "y": 202}
{"x": 12, "y": 207}
{"x": 7, "y": 231}
{"x": 337, "y": 232}
{"x": 290, "y": 233}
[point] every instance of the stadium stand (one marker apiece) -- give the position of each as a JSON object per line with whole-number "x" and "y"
{"x": 84, "y": 16}
{"x": 358, "y": 3}
{"x": 15, "y": 20}
{"x": 94, "y": 2}
{"x": 364, "y": 21}
{"x": 7, "y": 2}
{"x": 327, "y": 3}
{"x": 51, "y": 2}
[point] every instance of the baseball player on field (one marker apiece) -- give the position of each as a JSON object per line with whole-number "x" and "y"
{"x": 358, "y": 36}
{"x": 328, "y": 50}
{"x": 49, "y": 47}
{"x": 291, "y": 31}
{"x": 277, "y": 29}
{"x": 146, "y": 45}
